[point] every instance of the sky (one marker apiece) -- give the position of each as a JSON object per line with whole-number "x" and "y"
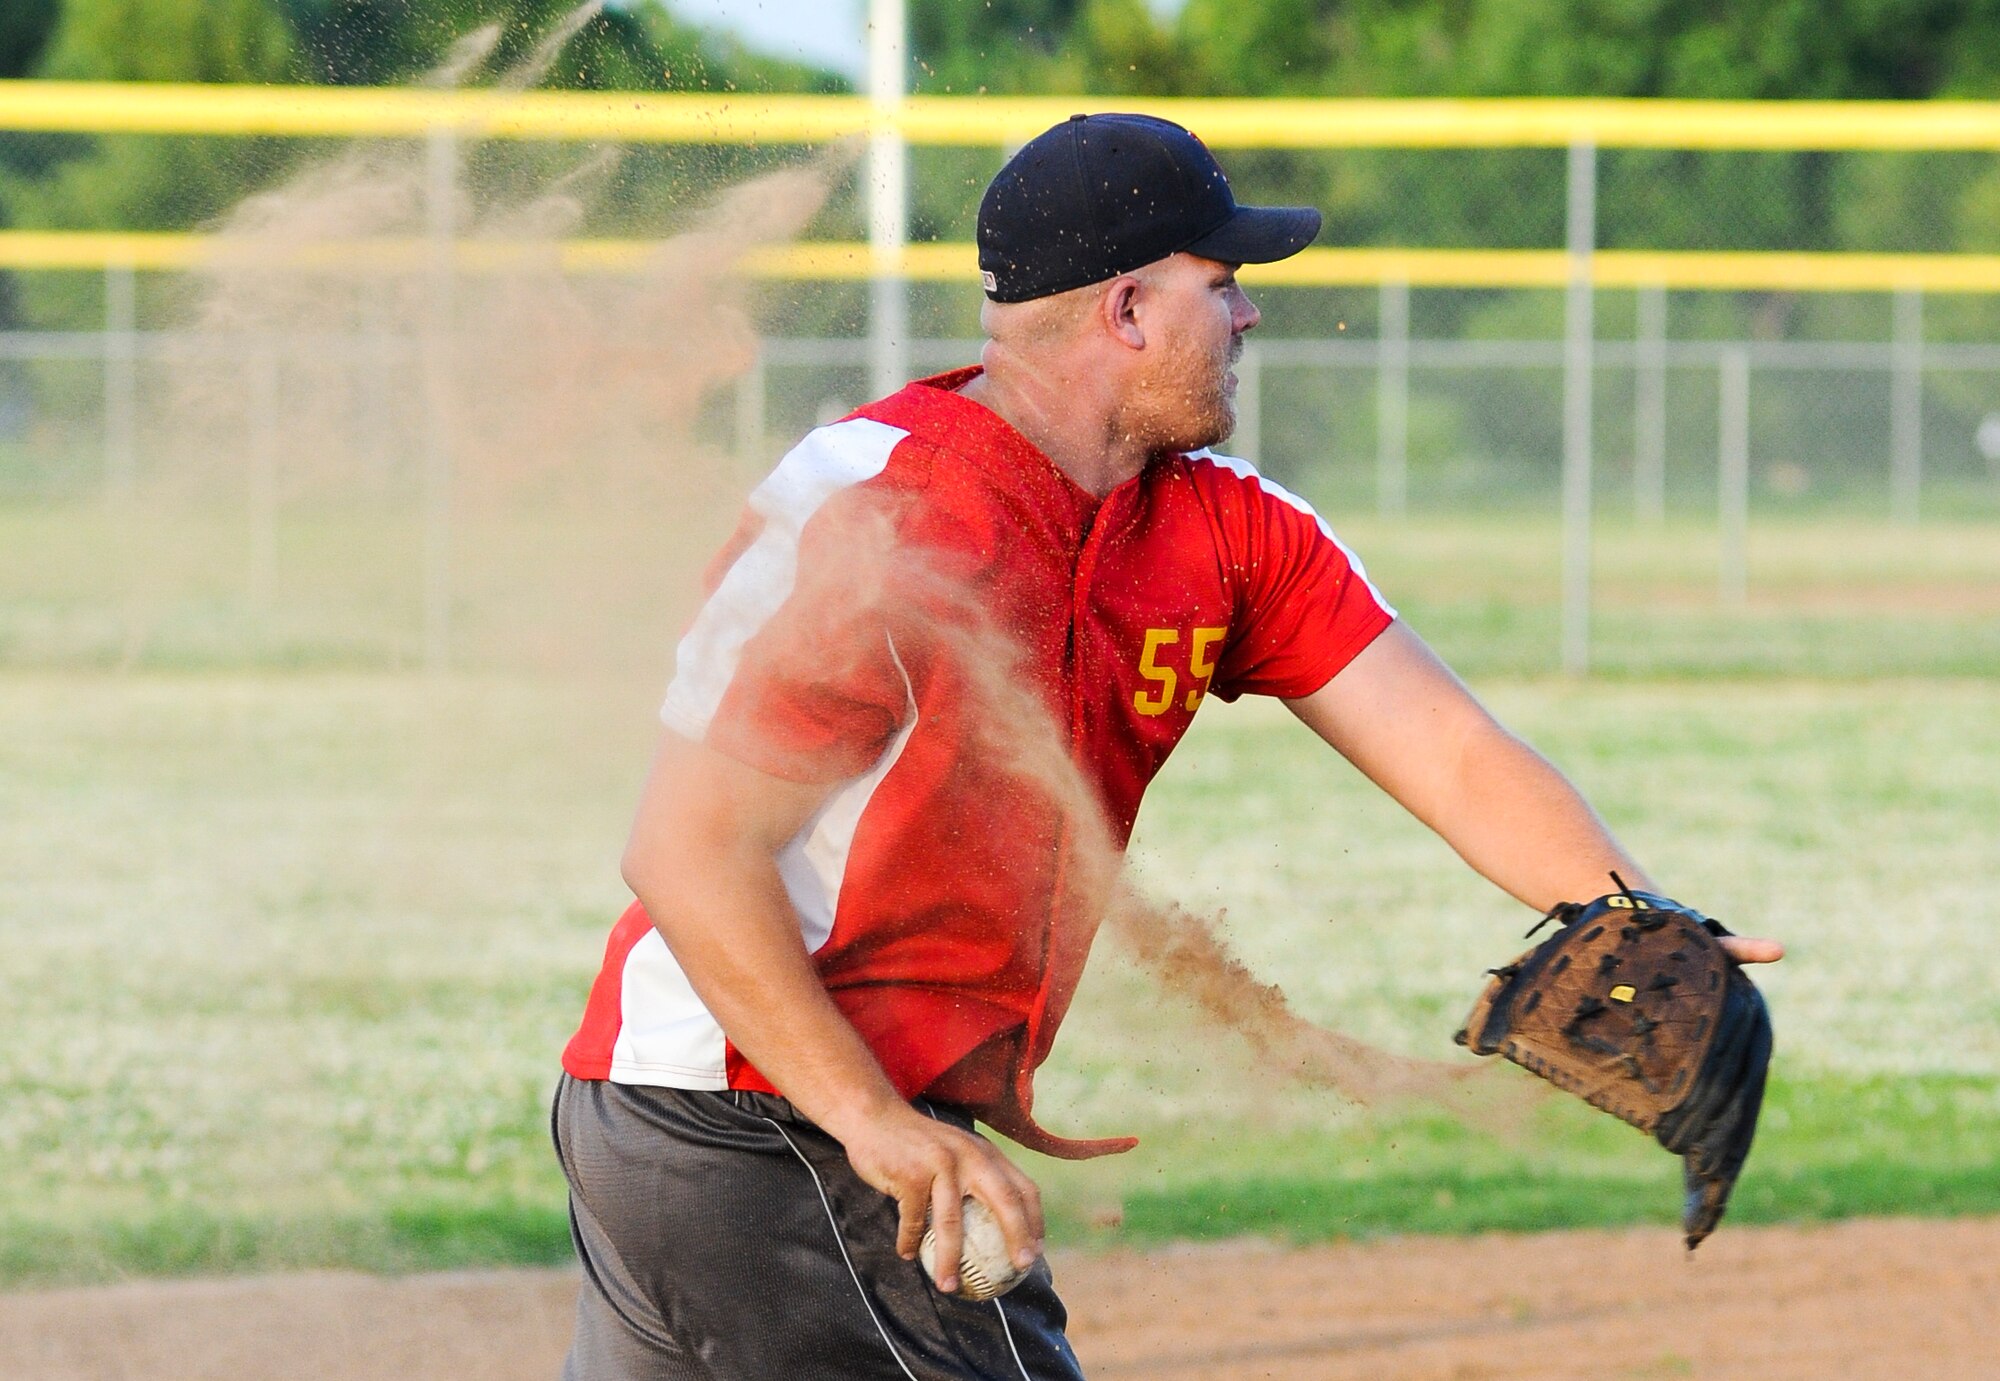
{"x": 825, "y": 33}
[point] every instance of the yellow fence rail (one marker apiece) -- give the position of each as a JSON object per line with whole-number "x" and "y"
{"x": 370, "y": 112}
{"x": 1581, "y": 127}
{"x": 987, "y": 121}
{"x": 851, "y": 261}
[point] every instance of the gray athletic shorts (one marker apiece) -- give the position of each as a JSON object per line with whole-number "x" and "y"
{"x": 725, "y": 1238}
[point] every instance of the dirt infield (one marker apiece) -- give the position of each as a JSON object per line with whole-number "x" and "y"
{"x": 1850, "y": 1301}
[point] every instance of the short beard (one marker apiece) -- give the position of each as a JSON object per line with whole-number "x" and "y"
{"x": 1194, "y": 408}
{"x": 1218, "y": 411}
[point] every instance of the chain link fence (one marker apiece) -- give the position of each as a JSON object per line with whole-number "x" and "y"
{"x": 446, "y": 460}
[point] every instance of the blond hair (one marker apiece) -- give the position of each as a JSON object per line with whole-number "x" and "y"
{"x": 1041, "y": 321}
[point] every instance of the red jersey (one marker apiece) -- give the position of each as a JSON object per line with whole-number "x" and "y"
{"x": 928, "y": 888}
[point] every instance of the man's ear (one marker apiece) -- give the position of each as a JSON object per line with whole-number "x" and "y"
{"x": 1118, "y": 309}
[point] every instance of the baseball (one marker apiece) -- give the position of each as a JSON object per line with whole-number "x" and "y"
{"x": 985, "y": 1269}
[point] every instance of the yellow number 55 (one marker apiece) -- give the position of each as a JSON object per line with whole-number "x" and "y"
{"x": 1162, "y": 677}
{"x": 1201, "y": 662}
{"x": 1201, "y": 666}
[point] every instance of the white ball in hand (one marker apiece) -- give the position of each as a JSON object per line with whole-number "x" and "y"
{"x": 985, "y": 1268}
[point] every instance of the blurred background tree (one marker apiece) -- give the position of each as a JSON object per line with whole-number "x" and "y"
{"x": 169, "y": 182}
{"x": 1886, "y": 49}
{"x": 630, "y": 47}
{"x": 1767, "y": 49}
{"x": 26, "y": 26}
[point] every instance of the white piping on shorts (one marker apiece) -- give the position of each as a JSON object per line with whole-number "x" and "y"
{"x": 1005, "y": 1331}
{"x": 1009, "y": 1334}
{"x": 855, "y": 1275}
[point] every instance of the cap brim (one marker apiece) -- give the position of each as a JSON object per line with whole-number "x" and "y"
{"x": 1259, "y": 235}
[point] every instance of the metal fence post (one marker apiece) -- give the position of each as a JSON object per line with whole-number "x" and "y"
{"x": 440, "y": 368}
{"x": 1579, "y": 327}
{"x": 750, "y": 401}
{"x": 1906, "y": 406}
{"x": 1248, "y": 440}
{"x": 888, "y": 198}
{"x": 1733, "y": 474}
{"x": 121, "y": 381}
{"x": 375, "y": 386}
{"x": 1649, "y": 408}
{"x": 1392, "y": 399}
{"x": 263, "y": 429}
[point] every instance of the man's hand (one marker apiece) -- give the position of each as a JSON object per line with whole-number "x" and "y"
{"x": 702, "y": 860}
{"x": 1748, "y": 949}
{"x": 1633, "y": 1006}
{"x": 923, "y": 1163}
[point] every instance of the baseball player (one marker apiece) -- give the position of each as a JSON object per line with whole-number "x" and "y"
{"x": 856, "y": 932}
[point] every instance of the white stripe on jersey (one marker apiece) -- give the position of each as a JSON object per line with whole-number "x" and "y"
{"x": 827, "y": 461}
{"x": 666, "y": 1036}
{"x": 814, "y": 863}
{"x": 1243, "y": 469}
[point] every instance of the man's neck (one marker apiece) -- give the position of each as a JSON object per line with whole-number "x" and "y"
{"x": 1066, "y": 419}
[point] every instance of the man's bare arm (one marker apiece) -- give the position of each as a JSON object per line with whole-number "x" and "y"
{"x": 702, "y": 859}
{"x": 1401, "y": 716}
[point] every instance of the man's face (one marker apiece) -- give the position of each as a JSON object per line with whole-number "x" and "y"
{"x": 1194, "y": 316}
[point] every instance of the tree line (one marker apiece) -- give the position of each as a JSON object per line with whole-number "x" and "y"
{"x": 1104, "y": 49}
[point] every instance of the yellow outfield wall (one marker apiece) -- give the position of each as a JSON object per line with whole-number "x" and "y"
{"x": 853, "y": 261}
{"x": 370, "y": 112}
{"x": 356, "y": 112}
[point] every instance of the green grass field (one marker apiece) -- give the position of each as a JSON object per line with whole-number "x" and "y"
{"x": 555, "y": 590}
{"x": 289, "y": 956}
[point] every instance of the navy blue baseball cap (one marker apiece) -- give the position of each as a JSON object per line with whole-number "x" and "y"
{"x": 1100, "y": 195}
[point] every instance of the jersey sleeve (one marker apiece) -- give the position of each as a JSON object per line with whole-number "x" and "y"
{"x": 1304, "y": 604}
{"x": 789, "y": 665}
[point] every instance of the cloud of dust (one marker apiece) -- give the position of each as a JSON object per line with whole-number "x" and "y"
{"x": 539, "y": 382}
{"x": 1187, "y": 954}
{"x": 409, "y": 324}
{"x": 1181, "y": 949}
{"x": 537, "y": 368}
{"x": 917, "y": 593}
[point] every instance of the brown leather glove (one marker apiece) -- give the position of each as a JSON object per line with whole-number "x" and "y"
{"x": 1633, "y": 1007}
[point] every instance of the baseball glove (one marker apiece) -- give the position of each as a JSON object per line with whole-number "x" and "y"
{"x": 1633, "y": 1007}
